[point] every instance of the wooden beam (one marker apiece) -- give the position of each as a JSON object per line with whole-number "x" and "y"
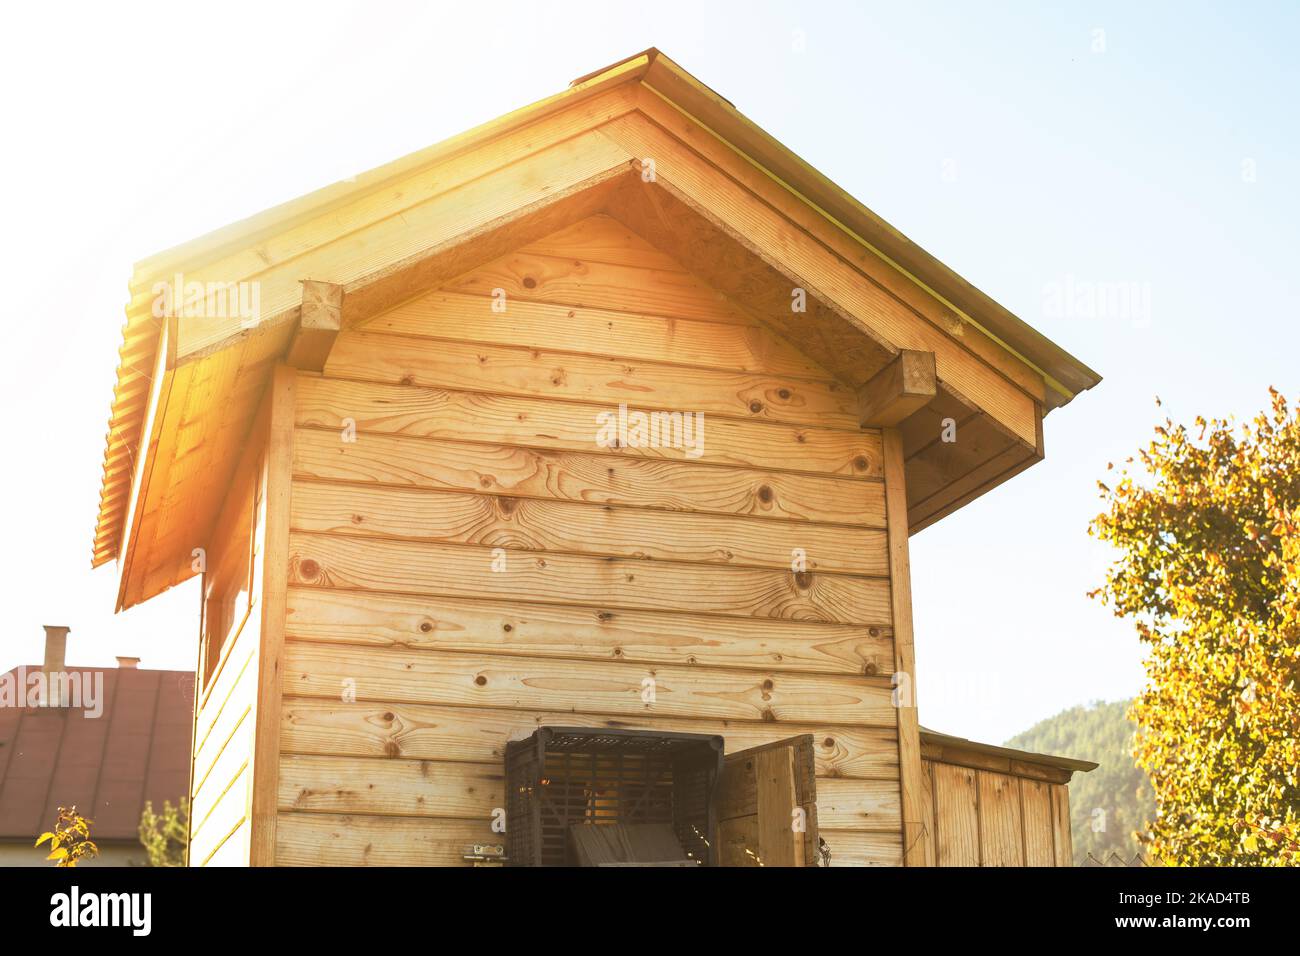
{"x": 902, "y": 387}
{"x": 274, "y": 611}
{"x": 319, "y": 320}
{"x": 912, "y": 791}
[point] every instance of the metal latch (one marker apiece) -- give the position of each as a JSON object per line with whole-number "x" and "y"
{"x": 485, "y": 854}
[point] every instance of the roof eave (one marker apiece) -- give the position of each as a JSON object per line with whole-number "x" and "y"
{"x": 934, "y": 738}
{"x": 1064, "y": 374}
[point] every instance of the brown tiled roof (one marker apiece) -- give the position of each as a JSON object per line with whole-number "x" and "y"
{"x": 136, "y": 750}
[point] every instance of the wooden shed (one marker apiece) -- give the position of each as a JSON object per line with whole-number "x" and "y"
{"x": 609, "y": 413}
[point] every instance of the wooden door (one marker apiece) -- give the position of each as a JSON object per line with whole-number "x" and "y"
{"x": 767, "y": 805}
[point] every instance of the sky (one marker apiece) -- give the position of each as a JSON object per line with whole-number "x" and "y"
{"x": 1150, "y": 152}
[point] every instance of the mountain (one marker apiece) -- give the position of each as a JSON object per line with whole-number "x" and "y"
{"x": 1110, "y": 803}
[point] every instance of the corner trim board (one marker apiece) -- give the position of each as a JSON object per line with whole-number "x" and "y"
{"x": 274, "y": 601}
{"x": 915, "y": 836}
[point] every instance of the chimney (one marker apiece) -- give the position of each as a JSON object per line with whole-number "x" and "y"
{"x": 128, "y": 663}
{"x": 56, "y": 649}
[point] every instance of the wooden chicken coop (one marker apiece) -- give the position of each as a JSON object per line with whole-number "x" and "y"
{"x": 611, "y": 413}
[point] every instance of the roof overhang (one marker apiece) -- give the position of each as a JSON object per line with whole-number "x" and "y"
{"x": 943, "y": 748}
{"x": 757, "y": 220}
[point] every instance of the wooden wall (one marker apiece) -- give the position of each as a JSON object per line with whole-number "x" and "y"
{"x": 221, "y": 788}
{"x": 986, "y": 817}
{"x": 409, "y": 660}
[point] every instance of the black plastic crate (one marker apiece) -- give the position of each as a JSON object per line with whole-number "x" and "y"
{"x": 561, "y": 776}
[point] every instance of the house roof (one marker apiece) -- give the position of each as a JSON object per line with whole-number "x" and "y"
{"x": 186, "y": 392}
{"x": 948, "y": 749}
{"x": 137, "y": 749}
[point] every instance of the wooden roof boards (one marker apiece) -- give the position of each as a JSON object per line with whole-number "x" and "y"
{"x": 740, "y": 210}
{"x": 961, "y": 752}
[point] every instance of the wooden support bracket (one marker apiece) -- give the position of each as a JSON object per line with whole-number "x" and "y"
{"x": 902, "y": 387}
{"x": 319, "y": 322}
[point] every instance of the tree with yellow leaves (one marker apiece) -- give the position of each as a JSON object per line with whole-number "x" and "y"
{"x": 1208, "y": 530}
{"x": 70, "y": 841}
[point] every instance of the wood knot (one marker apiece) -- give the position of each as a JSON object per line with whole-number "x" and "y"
{"x": 803, "y": 580}
{"x": 828, "y": 742}
{"x": 755, "y": 406}
{"x": 480, "y": 680}
{"x": 767, "y": 684}
{"x": 506, "y": 505}
{"x": 507, "y": 628}
{"x": 309, "y": 569}
{"x": 530, "y": 282}
{"x": 765, "y": 494}
{"x": 783, "y": 394}
{"x": 861, "y": 463}
{"x": 426, "y": 627}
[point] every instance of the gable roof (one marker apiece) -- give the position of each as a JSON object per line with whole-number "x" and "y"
{"x": 187, "y": 389}
{"x": 107, "y": 766}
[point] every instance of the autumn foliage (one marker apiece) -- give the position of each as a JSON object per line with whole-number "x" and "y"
{"x": 165, "y": 836}
{"x": 1207, "y": 523}
{"x": 69, "y": 841}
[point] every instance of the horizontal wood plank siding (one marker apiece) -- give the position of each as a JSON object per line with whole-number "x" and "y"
{"x": 527, "y": 372}
{"x": 428, "y": 412}
{"x": 407, "y": 567}
{"x": 468, "y": 562}
{"x": 476, "y": 734}
{"x": 572, "y": 528}
{"x": 585, "y": 633}
{"x": 593, "y": 478}
{"x": 615, "y": 688}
